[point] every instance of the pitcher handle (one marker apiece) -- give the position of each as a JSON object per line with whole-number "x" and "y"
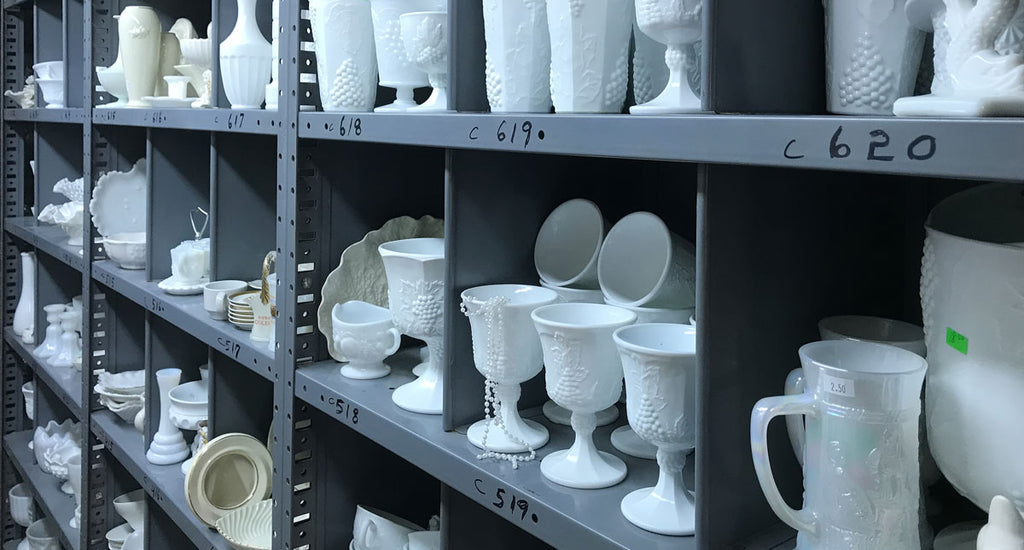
{"x": 795, "y": 385}
{"x": 397, "y": 341}
{"x": 764, "y": 411}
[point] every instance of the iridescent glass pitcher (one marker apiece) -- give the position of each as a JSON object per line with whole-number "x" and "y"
{"x": 860, "y": 463}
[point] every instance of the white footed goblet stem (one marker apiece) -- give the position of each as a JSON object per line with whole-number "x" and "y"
{"x": 507, "y": 431}
{"x": 168, "y": 446}
{"x": 438, "y": 100}
{"x": 667, "y": 508}
{"x": 582, "y": 466}
{"x": 677, "y": 97}
{"x": 425, "y": 394}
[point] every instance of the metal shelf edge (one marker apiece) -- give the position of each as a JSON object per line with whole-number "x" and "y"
{"x": 50, "y": 239}
{"x": 39, "y": 114}
{"x": 49, "y": 375}
{"x": 947, "y": 148}
{"x": 187, "y": 313}
{"x": 248, "y": 121}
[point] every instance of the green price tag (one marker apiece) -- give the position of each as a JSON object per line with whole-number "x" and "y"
{"x": 956, "y": 340}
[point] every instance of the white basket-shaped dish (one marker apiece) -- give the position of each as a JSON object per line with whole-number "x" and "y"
{"x": 249, "y": 527}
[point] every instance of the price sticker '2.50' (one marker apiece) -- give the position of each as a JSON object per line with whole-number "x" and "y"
{"x": 838, "y": 386}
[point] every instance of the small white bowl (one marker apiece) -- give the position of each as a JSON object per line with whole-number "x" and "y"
{"x": 189, "y": 405}
{"x": 127, "y": 250}
{"x": 197, "y": 51}
{"x": 132, "y": 507}
{"x": 22, "y": 511}
{"x": 53, "y": 92}
{"x": 42, "y": 535}
{"x": 53, "y": 70}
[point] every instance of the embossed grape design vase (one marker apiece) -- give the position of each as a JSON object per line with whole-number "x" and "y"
{"x": 860, "y": 460}
{"x": 415, "y": 273}
{"x": 396, "y": 69}
{"x": 659, "y": 362}
{"x": 583, "y": 373}
{"x": 872, "y": 55}
{"x": 346, "y": 62}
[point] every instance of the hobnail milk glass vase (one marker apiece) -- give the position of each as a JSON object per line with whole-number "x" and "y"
{"x": 346, "y": 61}
{"x": 246, "y": 60}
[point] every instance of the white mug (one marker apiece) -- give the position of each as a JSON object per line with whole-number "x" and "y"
{"x": 378, "y": 530}
{"x": 215, "y": 296}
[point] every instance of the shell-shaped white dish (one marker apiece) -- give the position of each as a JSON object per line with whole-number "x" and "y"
{"x": 128, "y": 382}
{"x": 119, "y": 201}
{"x": 360, "y": 274}
{"x": 249, "y": 527}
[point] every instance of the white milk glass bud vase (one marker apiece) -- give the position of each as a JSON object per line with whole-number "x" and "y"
{"x": 168, "y": 446}
{"x": 138, "y": 32}
{"x": 518, "y": 62}
{"x": 589, "y": 54}
{"x": 25, "y": 312}
{"x": 246, "y": 60}
{"x": 346, "y": 61}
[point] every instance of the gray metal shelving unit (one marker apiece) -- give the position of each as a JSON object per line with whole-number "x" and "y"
{"x": 795, "y": 214}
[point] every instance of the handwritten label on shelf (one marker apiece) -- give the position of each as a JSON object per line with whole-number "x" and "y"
{"x": 33, "y": 114}
{"x": 229, "y": 347}
{"x": 838, "y": 386}
{"x": 107, "y": 279}
{"x": 350, "y": 127}
{"x": 105, "y": 115}
{"x": 157, "y": 117}
{"x": 875, "y": 145}
{"x": 154, "y": 304}
{"x": 956, "y": 340}
{"x": 235, "y": 121}
{"x": 344, "y": 409}
{"x": 506, "y": 501}
{"x": 68, "y": 116}
{"x": 516, "y": 134}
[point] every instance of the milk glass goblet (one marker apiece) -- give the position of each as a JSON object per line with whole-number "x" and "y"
{"x": 425, "y": 35}
{"x": 677, "y": 24}
{"x": 415, "y": 273}
{"x": 660, "y": 366}
{"x": 507, "y": 352}
{"x": 583, "y": 374}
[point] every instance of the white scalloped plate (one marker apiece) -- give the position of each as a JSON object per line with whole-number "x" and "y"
{"x": 127, "y": 382}
{"x": 119, "y": 201}
{"x": 248, "y": 527}
{"x": 360, "y": 274}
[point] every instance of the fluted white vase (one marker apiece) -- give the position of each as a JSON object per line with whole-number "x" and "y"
{"x": 246, "y": 60}
{"x": 346, "y": 61}
{"x": 138, "y": 32}
{"x": 168, "y": 446}
{"x": 25, "y": 312}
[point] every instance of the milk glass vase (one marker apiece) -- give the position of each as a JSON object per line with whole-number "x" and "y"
{"x": 860, "y": 459}
{"x": 246, "y": 60}
{"x": 25, "y": 312}
{"x": 346, "y": 62}
{"x": 518, "y": 56}
{"x": 138, "y": 32}
{"x": 677, "y": 24}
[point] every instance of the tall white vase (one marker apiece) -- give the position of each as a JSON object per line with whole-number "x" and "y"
{"x": 346, "y": 60}
{"x": 246, "y": 60}
{"x": 589, "y": 54}
{"x": 25, "y": 312}
{"x": 396, "y": 69}
{"x": 518, "y": 62}
{"x": 275, "y": 50}
{"x": 873, "y": 54}
{"x": 75, "y": 479}
{"x": 168, "y": 446}
{"x": 138, "y": 32}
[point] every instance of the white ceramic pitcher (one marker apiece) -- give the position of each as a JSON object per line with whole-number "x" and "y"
{"x": 860, "y": 462}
